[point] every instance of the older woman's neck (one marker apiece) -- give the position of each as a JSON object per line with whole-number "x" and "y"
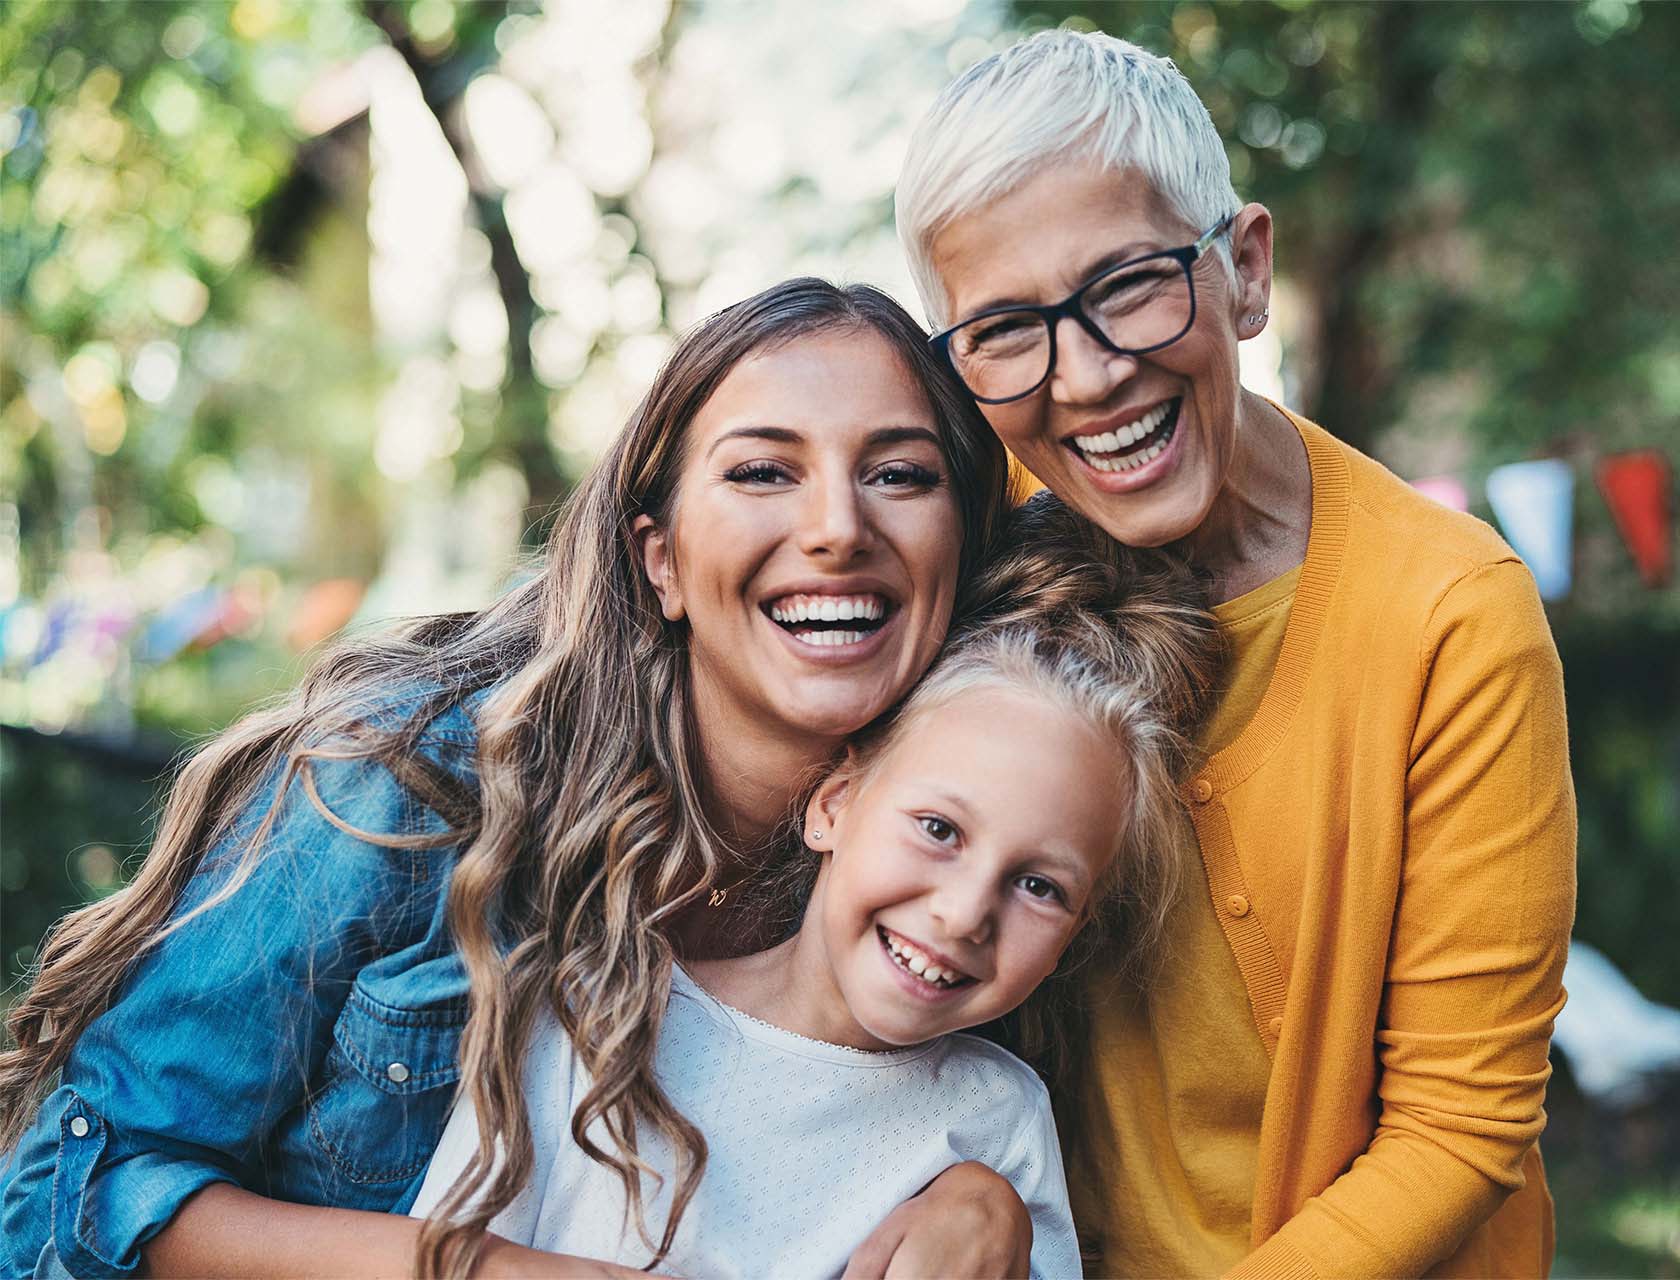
{"x": 1257, "y": 527}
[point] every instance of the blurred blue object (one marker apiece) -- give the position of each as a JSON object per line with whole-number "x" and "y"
{"x": 1619, "y": 1044}
{"x": 179, "y": 624}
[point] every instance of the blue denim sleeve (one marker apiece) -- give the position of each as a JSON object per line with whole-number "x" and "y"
{"x": 220, "y": 1027}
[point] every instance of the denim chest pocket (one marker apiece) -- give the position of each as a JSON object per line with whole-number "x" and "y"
{"x": 388, "y": 1083}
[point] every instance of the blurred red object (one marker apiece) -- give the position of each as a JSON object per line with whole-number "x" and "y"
{"x": 1636, "y": 486}
{"x": 324, "y": 609}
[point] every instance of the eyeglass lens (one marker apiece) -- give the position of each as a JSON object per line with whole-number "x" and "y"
{"x": 1143, "y": 305}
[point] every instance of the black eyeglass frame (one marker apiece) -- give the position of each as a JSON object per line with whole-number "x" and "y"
{"x": 1186, "y": 256}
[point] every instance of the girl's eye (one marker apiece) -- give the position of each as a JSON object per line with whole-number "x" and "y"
{"x": 905, "y": 475}
{"x": 756, "y": 473}
{"x": 1045, "y": 890}
{"x": 938, "y": 830}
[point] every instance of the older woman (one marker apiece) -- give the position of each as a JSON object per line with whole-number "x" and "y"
{"x": 1340, "y": 1066}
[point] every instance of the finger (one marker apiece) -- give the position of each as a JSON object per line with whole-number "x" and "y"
{"x": 870, "y": 1260}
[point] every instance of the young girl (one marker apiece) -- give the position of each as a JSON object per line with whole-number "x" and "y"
{"x": 1024, "y": 789}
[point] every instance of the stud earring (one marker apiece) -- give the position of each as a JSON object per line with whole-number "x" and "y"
{"x": 1259, "y": 319}
{"x": 815, "y": 834}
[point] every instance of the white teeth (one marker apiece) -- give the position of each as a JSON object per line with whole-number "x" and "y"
{"x": 1095, "y": 447}
{"x": 913, "y": 960}
{"x": 824, "y": 639}
{"x": 828, "y": 609}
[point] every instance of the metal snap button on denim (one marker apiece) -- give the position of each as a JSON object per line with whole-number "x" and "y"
{"x": 79, "y": 1126}
{"x": 398, "y": 1072}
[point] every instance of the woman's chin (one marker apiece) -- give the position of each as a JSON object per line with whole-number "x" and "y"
{"x": 835, "y": 709}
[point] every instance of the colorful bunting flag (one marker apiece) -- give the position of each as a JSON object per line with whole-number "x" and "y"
{"x": 1636, "y": 488}
{"x": 1534, "y": 502}
{"x": 1449, "y": 491}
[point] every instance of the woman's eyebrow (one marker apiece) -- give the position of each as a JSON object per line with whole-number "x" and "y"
{"x": 900, "y": 435}
{"x": 776, "y": 435}
{"x": 787, "y": 435}
{"x": 1113, "y": 258}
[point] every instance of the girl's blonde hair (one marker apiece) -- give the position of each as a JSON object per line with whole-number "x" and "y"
{"x": 585, "y": 831}
{"x": 1119, "y": 637}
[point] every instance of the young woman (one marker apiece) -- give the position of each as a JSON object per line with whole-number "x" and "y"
{"x": 367, "y": 896}
{"x": 1023, "y": 795}
{"x": 1340, "y": 1069}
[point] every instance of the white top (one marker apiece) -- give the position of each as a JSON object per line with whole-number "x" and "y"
{"x": 810, "y": 1146}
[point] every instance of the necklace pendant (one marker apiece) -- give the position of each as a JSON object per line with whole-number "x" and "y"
{"x": 718, "y": 895}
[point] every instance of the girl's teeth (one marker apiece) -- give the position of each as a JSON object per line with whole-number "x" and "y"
{"x": 919, "y": 964}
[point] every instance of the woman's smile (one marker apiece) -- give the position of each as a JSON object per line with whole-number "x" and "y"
{"x": 1129, "y": 450}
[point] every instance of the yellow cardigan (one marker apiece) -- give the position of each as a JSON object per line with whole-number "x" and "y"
{"x": 1390, "y": 844}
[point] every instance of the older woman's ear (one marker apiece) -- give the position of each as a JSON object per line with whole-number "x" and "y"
{"x": 653, "y": 549}
{"x": 1251, "y": 255}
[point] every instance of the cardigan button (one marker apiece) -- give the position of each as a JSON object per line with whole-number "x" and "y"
{"x": 1237, "y": 905}
{"x": 1201, "y": 791}
{"x": 1276, "y": 1027}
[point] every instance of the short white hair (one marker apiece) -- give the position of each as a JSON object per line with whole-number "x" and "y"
{"x": 1057, "y": 96}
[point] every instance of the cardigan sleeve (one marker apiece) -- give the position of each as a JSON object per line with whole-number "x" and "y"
{"x": 1475, "y": 965}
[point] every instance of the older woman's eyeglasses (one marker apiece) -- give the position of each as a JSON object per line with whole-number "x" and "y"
{"x": 1131, "y": 309}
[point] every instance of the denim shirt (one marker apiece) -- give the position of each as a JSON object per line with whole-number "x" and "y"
{"x": 298, "y": 1039}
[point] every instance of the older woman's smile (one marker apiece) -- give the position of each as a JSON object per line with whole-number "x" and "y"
{"x": 1123, "y": 449}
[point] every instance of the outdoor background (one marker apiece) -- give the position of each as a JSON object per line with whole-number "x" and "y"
{"x": 312, "y": 311}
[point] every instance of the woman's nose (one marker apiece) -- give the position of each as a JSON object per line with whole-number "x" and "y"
{"x": 835, "y": 524}
{"x": 1086, "y": 372}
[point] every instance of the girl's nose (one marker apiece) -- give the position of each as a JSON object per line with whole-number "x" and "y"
{"x": 835, "y": 525}
{"x": 1086, "y": 372}
{"x": 962, "y": 908}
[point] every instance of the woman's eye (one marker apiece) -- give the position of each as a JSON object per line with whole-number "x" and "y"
{"x": 905, "y": 475}
{"x": 1040, "y": 887}
{"x": 938, "y": 830}
{"x": 756, "y": 473}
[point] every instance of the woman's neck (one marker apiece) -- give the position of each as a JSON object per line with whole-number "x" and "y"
{"x": 751, "y": 776}
{"x": 1258, "y": 525}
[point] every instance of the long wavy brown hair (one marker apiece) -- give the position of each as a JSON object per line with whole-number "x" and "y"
{"x": 586, "y": 830}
